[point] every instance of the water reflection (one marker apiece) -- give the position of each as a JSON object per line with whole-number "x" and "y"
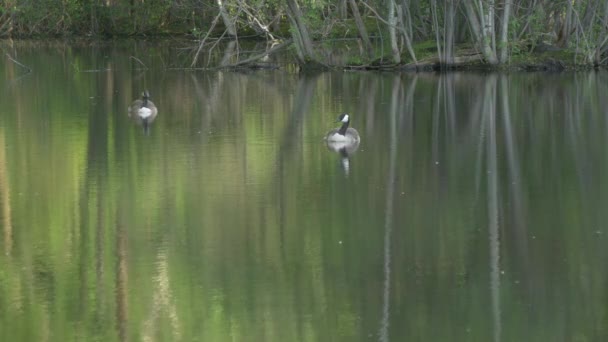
{"x": 488, "y": 131}
{"x": 476, "y": 205}
{"x": 5, "y": 201}
{"x": 396, "y": 99}
{"x": 345, "y": 150}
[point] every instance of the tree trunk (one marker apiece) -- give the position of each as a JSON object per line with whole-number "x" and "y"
{"x": 392, "y": 25}
{"x": 230, "y": 27}
{"x": 300, "y": 34}
{"x": 590, "y": 14}
{"x": 361, "y": 27}
{"x": 565, "y": 31}
{"x": 406, "y": 34}
{"x": 449, "y": 28}
{"x": 438, "y": 33}
{"x": 602, "y": 39}
{"x": 506, "y": 14}
{"x": 489, "y": 23}
{"x": 483, "y": 33}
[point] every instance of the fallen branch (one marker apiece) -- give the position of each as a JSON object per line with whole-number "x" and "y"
{"x": 202, "y": 43}
{"x": 259, "y": 56}
{"x": 214, "y": 45}
{"x": 262, "y": 27}
{"x": 17, "y": 62}
{"x": 139, "y": 61}
{"x": 97, "y": 70}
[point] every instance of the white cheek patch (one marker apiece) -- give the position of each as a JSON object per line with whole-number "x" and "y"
{"x": 345, "y": 118}
{"x": 144, "y": 112}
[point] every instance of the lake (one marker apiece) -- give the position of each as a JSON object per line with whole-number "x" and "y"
{"x": 473, "y": 209}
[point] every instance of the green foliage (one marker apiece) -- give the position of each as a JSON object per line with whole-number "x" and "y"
{"x": 96, "y": 17}
{"x": 325, "y": 19}
{"x": 355, "y": 60}
{"x": 426, "y": 47}
{"x": 48, "y": 17}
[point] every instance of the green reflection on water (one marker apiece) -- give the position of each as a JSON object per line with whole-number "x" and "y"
{"x": 473, "y": 209}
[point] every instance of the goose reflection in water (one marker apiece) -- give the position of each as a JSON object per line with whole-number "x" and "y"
{"x": 345, "y": 150}
{"x": 143, "y": 111}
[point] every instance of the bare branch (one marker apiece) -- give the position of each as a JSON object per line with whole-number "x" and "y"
{"x": 18, "y": 63}
{"x": 202, "y": 43}
{"x": 139, "y": 61}
{"x": 263, "y": 27}
{"x": 400, "y": 28}
{"x": 260, "y": 55}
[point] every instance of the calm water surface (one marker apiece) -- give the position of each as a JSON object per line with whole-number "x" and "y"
{"x": 473, "y": 210}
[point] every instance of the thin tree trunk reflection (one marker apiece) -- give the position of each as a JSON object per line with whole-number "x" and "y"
{"x": 304, "y": 92}
{"x": 436, "y": 120}
{"x": 388, "y": 216}
{"x": 303, "y": 96}
{"x": 369, "y": 96}
{"x": 5, "y": 199}
{"x": 575, "y": 133}
{"x": 162, "y": 301}
{"x": 479, "y": 157}
{"x": 228, "y": 53}
{"x": 406, "y": 121}
{"x": 515, "y": 180}
{"x": 122, "y": 271}
{"x": 94, "y": 183}
{"x": 493, "y": 203}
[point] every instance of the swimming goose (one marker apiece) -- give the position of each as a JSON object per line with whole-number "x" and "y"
{"x": 344, "y": 134}
{"x": 143, "y": 110}
{"x": 344, "y": 141}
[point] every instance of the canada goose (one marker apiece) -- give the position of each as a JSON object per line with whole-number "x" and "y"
{"x": 344, "y": 134}
{"x": 143, "y": 110}
{"x": 344, "y": 141}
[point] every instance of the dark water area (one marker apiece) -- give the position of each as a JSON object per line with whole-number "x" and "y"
{"x": 474, "y": 208}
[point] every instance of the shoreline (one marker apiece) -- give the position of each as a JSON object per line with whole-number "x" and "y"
{"x": 468, "y": 60}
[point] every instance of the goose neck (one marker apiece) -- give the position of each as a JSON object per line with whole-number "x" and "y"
{"x": 344, "y": 127}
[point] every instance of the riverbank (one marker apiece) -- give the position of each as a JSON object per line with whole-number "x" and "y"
{"x": 420, "y": 35}
{"x": 253, "y": 53}
{"x": 543, "y": 58}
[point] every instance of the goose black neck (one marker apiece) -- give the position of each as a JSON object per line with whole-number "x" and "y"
{"x": 342, "y": 130}
{"x": 144, "y": 102}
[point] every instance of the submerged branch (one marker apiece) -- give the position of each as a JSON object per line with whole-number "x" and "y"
{"x": 260, "y": 55}
{"x": 245, "y": 61}
{"x": 18, "y": 63}
{"x": 139, "y": 61}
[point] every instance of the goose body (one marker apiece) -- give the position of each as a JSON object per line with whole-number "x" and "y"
{"x": 345, "y": 135}
{"x": 143, "y": 111}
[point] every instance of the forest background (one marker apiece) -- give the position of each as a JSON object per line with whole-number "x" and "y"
{"x": 554, "y": 34}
